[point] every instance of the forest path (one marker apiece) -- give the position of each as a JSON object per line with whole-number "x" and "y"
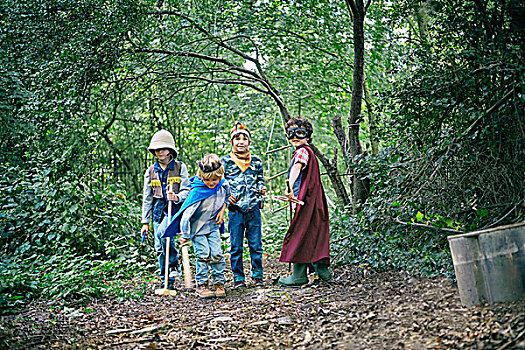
{"x": 358, "y": 311}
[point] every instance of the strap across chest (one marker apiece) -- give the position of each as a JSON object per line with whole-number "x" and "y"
{"x": 173, "y": 178}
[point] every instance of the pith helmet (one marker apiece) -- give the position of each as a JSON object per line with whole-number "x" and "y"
{"x": 162, "y": 139}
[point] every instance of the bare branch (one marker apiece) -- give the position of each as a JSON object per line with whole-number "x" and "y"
{"x": 367, "y": 5}
{"x": 190, "y": 86}
{"x": 254, "y": 60}
{"x": 225, "y": 81}
{"x": 351, "y": 4}
{"x": 214, "y": 38}
{"x": 305, "y": 40}
{"x": 427, "y": 226}
{"x": 490, "y": 110}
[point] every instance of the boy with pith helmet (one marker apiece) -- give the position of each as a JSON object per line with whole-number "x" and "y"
{"x": 244, "y": 172}
{"x": 164, "y": 172}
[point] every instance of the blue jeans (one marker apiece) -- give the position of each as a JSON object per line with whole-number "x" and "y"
{"x": 160, "y": 249}
{"x": 245, "y": 224}
{"x": 208, "y": 250}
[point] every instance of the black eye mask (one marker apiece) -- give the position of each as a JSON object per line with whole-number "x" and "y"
{"x": 298, "y": 132}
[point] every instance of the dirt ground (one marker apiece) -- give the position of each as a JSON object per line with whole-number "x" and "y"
{"x": 360, "y": 310}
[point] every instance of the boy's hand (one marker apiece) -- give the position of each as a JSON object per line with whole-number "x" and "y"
{"x": 263, "y": 191}
{"x": 220, "y": 218}
{"x": 172, "y": 196}
{"x": 289, "y": 194}
{"x": 183, "y": 240}
{"x": 145, "y": 228}
{"x": 232, "y": 200}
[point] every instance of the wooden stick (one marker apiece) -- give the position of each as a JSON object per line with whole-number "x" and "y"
{"x": 277, "y": 175}
{"x": 290, "y": 204}
{"x": 167, "y": 265}
{"x": 188, "y": 279}
{"x": 165, "y": 290}
{"x": 286, "y": 199}
{"x": 277, "y": 149}
{"x": 278, "y": 210}
{"x": 271, "y": 134}
{"x": 427, "y": 226}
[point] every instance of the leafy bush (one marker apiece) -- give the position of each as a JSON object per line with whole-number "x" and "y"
{"x": 65, "y": 235}
{"x": 275, "y": 226}
{"x": 374, "y": 236}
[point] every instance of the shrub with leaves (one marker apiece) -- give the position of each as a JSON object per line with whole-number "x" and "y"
{"x": 375, "y": 235}
{"x": 64, "y": 234}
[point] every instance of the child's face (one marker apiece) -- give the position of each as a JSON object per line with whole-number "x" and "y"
{"x": 295, "y": 141}
{"x": 212, "y": 182}
{"x": 240, "y": 143}
{"x": 163, "y": 155}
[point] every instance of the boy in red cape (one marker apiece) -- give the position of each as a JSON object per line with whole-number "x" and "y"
{"x": 307, "y": 240}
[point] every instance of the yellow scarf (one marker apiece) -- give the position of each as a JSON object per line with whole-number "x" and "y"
{"x": 242, "y": 160}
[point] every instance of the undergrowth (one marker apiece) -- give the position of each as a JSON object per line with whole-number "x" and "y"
{"x": 67, "y": 238}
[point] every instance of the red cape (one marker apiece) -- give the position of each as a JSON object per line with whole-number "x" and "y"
{"x": 308, "y": 238}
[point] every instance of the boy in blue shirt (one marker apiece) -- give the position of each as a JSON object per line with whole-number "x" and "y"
{"x": 244, "y": 173}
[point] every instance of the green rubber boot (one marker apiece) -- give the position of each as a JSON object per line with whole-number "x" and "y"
{"x": 323, "y": 272}
{"x": 298, "y": 277}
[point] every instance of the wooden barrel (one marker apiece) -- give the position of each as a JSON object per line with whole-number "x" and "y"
{"x": 490, "y": 264}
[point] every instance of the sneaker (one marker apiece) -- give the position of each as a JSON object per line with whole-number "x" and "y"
{"x": 239, "y": 284}
{"x": 204, "y": 292}
{"x": 258, "y": 282}
{"x": 219, "y": 290}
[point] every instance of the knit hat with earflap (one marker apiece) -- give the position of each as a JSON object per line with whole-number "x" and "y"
{"x": 239, "y": 128}
{"x": 162, "y": 139}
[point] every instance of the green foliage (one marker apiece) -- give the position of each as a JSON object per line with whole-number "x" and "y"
{"x": 375, "y": 238}
{"x": 46, "y": 211}
{"x": 275, "y": 226}
{"x": 456, "y": 112}
{"x": 63, "y": 238}
{"x": 67, "y": 230}
{"x": 71, "y": 279}
{"x": 356, "y": 241}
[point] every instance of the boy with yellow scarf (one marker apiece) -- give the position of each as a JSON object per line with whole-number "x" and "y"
{"x": 244, "y": 172}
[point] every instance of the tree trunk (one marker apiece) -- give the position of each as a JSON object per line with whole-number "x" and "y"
{"x": 371, "y": 120}
{"x": 421, "y": 13}
{"x": 360, "y": 188}
{"x": 339, "y": 132}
